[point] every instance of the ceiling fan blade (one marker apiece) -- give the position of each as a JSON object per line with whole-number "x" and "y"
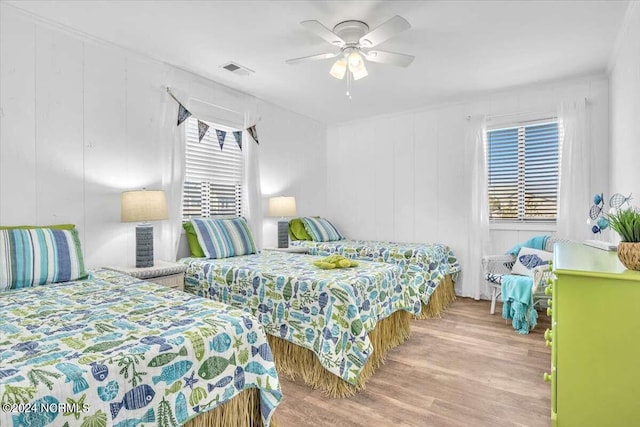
{"x": 393, "y": 58}
{"x": 320, "y": 30}
{"x": 384, "y": 32}
{"x": 312, "y": 58}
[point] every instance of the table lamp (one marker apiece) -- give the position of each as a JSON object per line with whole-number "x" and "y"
{"x": 282, "y": 207}
{"x": 143, "y": 206}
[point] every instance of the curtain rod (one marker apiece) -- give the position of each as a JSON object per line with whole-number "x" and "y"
{"x": 204, "y": 102}
{"x": 521, "y": 113}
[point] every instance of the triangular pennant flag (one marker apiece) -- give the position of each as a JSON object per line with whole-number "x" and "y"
{"x": 254, "y": 133}
{"x": 202, "y": 130}
{"x": 238, "y": 136}
{"x": 221, "y": 135}
{"x": 183, "y": 114}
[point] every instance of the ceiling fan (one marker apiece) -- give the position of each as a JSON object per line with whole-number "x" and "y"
{"x": 356, "y": 41}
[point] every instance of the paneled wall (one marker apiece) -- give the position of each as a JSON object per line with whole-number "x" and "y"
{"x": 402, "y": 177}
{"x": 625, "y": 108}
{"x": 82, "y": 120}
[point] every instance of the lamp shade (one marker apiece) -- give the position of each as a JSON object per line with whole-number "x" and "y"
{"x": 143, "y": 205}
{"x": 282, "y": 206}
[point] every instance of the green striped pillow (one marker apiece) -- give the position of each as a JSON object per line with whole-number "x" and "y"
{"x": 321, "y": 230}
{"x": 39, "y": 256}
{"x": 223, "y": 238}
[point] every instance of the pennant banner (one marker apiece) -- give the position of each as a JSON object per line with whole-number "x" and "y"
{"x": 183, "y": 114}
{"x": 221, "y": 136}
{"x": 202, "y": 130}
{"x": 237, "y": 134}
{"x": 254, "y": 133}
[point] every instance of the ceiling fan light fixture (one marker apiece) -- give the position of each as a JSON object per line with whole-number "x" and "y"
{"x": 360, "y": 72}
{"x": 355, "y": 61}
{"x": 339, "y": 69}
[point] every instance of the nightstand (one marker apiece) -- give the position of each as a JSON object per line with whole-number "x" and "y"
{"x": 290, "y": 249}
{"x": 170, "y": 274}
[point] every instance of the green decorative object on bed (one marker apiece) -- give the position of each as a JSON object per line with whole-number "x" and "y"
{"x": 335, "y": 261}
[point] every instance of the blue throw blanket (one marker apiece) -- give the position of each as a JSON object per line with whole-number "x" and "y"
{"x": 518, "y": 302}
{"x": 538, "y": 242}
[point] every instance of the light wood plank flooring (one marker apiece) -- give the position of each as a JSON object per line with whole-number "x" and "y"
{"x": 468, "y": 368}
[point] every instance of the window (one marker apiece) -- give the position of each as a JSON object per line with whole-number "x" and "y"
{"x": 213, "y": 179}
{"x": 523, "y": 172}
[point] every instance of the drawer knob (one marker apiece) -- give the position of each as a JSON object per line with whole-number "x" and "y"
{"x": 549, "y": 312}
{"x": 549, "y": 343}
{"x": 548, "y": 334}
{"x": 548, "y": 290}
{"x": 547, "y": 377}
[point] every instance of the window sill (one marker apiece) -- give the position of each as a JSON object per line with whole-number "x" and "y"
{"x": 523, "y": 226}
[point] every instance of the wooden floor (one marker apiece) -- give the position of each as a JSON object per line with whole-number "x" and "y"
{"x": 468, "y": 368}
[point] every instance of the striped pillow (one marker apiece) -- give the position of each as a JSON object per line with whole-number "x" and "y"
{"x": 240, "y": 236}
{"x": 39, "y": 256}
{"x": 321, "y": 230}
{"x": 223, "y": 238}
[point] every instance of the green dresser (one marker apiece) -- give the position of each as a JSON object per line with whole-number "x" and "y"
{"x": 595, "y": 339}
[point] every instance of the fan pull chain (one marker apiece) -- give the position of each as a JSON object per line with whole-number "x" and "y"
{"x": 349, "y": 84}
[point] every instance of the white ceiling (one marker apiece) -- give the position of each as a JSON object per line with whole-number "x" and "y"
{"x": 461, "y": 47}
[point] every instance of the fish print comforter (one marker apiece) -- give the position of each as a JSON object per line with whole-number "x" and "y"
{"x": 424, "y": 264}
{"x": 116, "y": 351}
{"x": 329, "y": 312}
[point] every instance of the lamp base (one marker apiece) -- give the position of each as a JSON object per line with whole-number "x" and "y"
{"x": 283, "y": 234}
{"x": 144, "y": 245}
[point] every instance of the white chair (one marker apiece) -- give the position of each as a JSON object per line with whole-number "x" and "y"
{"x": 495, "y": 266}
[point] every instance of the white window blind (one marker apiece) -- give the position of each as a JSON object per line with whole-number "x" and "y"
{"x": 213, "y": 178}
{"x": 523, "y": 172}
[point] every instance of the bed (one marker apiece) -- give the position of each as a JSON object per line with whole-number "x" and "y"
{"x": 433, "y": 267}
{"x": 331, "y": 328}
{"x": 113, "y": 350}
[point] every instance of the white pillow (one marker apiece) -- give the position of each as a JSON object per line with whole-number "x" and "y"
{"x": 528, "y": 259}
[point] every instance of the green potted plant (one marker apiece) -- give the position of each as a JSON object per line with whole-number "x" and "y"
{"x": 626, "y": 223}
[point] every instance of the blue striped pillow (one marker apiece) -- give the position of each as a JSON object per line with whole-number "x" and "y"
{"x": 223, "y": 238}
{"x": 39, "y": 256}
{"x": 239, "y": 235}
{"x": 321, "y": 230}
{"x": 212, "y": 238}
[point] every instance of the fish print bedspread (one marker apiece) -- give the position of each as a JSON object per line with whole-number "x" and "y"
{"x": 329, "y": 312}
{"x": 114, "y": 350}
{"x": 425, "y": 264}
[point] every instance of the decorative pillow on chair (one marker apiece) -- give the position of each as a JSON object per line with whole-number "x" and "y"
{"x": 321, "y": 230}
{"x": 223, "y": 238}
{"x": 39, "y": 256}
{"x": 528, "y": 259}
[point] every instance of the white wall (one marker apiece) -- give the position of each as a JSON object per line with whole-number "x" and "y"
{"x": 402, "y": 177}
{"x": 80, "y": 122}
{"x": 625, "y": 108}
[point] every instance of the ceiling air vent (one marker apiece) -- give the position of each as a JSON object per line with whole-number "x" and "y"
{"x": 237, "y": 69}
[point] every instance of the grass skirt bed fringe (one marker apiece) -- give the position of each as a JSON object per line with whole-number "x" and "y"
{"x": 298, "y": 362}
{"x": 241, "y": 411}
{"x": 440, "y": 299}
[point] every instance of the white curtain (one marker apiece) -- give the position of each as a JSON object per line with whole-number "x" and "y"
{"x": 172, "y": 142}
{"x": 574, "y": 197}
{"x": 252, "y": 194}
{"x": 471, "y": 283}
